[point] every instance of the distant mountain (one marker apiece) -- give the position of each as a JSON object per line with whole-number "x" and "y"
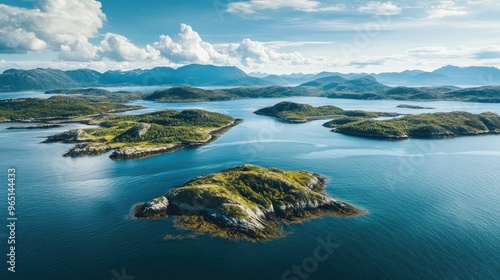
{"x": 337, "y": 84}
{"x": 473, "y": 75}
{"x": 346, "y": 76}
{"x": 291, "y": 79}
{"x": 195, "y": 75}
{"x": 16, "y": 80}
{"x": 448, "y": 75}
{"x": 210, "y": 75}
{"x": 369, "y": 88}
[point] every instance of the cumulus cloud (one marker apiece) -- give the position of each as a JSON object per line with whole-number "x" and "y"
{"x": 17, "y": 40}
{"x": 446, "y": 9}
{"x": 380, "y": 8}
{"x": 118, "y": 48}
{"x": 189, "y": 47}
{"x": 60, "y": 25}
{"x": 253, "y": 6}
{"x": 251, "y": 53}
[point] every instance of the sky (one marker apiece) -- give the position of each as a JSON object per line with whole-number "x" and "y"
{"x": 267, "y": 36}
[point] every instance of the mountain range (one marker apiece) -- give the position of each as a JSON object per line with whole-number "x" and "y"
{"x": 210, "y": 75}
{"x": 194, "y": 74}
{"x": 447, "y": 75}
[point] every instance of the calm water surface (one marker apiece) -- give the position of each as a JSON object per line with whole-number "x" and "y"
{"x": 433, "y": 204}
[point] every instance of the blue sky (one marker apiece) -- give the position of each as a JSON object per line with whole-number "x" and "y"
{"x": 279, "y": 36}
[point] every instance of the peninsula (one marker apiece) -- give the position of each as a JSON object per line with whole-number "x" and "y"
{"x": 246, "y": 202}
{"x": 436, "y": 125}
{"x": 291, "y": 112}
{"x": 136, "y": 136}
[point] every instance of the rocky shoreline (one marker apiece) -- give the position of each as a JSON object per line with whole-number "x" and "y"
{"x": 231, "y": 204}
{"x": 138, "y": 152}
{"x": 87, "y": 146}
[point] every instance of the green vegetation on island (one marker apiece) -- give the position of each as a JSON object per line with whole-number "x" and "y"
{"x": 133, "y": 136}
{"x": 434, "y": 125}
{"x": 188, "y": 94}
{"x": 246, "y": 202}
{"x": 408, "y": 106}
{"x": 101, "y": 95}
{"x": 364, "y": 88}
{"x": 191, "y": 94}
{"x": 39, "y": 126}
{"x": 300, "y": 113}
{"x": 56, "y": 107}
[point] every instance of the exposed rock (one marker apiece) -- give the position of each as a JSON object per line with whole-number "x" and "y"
{"x": 246, "y": 202}
{"x": 154, "y": 208}
{"x": 72, "y": 136}
{"x": 92, "y": 149}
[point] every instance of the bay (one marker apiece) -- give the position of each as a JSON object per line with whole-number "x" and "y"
{"x": 433, "y": 204}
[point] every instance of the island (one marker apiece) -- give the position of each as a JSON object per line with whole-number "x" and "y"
{"x": 408, "y": 106}
{"x": 101, "y": 95}
{"x": 436, "y": 125}
{"x": 292, "y": 112}
{"x": 58, "y": 108}
{"x": 246, "y": 202}
{"x": 39, "y": 126}
{"x": 192, "y": 94}
{"x": 137, "y": 136}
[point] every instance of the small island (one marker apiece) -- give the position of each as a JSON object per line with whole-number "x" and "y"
{"x": 436, "y": 125}
{"x": 100, "y": 95}
{"x": 292, "y": 112}
{"x": 57, "y": 108}
{"x": 408, "y": 106}
{"x": 39, "y": 126}
{"x": 246, "y": 202}
{"x": 137, "y": 136}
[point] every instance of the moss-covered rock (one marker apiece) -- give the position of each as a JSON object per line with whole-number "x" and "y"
{"x": 247, "y": 202}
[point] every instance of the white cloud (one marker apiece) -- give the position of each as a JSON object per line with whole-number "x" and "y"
{"x": 78, "y": 49}
{"x": 446, "y": 9}
{"x": 17, "y": 40}
{"x": 189, "y": 47}
{"x": 253, "y": 6}
{"x": 60, "y": 25}
{"x": 380, "y": 8}
{"x": 118, "y": 48}
{"x": 460, "y": 52}
{"x": 252, "y": 53}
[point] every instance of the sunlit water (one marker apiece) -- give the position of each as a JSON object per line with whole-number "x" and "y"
{"x": 433, "y": 204}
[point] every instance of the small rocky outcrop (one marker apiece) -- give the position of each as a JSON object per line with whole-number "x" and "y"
{"x": 154, "y": 208}
{"x": 91, "y": 149}
{"x": 71, "y": 136}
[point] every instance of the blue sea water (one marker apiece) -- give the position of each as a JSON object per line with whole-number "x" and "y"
{"x": 433, "y": 205}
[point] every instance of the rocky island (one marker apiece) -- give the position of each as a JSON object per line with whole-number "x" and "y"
{"x": 137, "y": 136}
{"x": 246, "y": 202}
{"x": 436, "y": 125}
{"x": 292, "y": 112}
{"x": 408, "y": 106}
